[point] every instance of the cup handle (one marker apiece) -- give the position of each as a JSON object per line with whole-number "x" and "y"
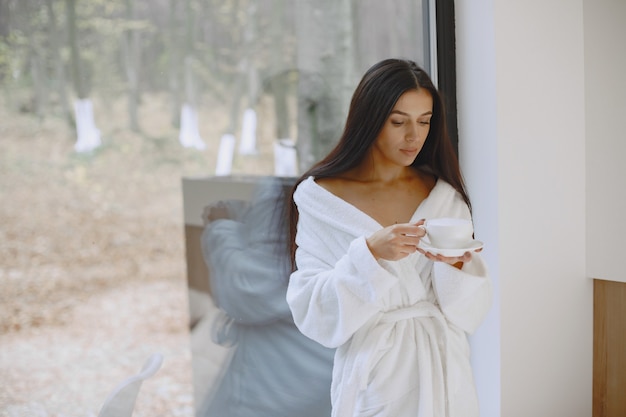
{"x": 424, "y": 238}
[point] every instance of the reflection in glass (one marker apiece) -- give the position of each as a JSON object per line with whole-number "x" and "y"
{"x": 272, "y": 369}
{"x": 292, "y": 67}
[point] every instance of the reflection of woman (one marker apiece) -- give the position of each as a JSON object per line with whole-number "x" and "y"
{"x": 275, "y": 371}
{"x": 399, "y": 316}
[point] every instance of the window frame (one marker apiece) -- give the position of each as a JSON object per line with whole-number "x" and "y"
{"x": 442, "y": 39}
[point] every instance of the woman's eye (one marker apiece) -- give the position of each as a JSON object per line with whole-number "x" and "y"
{"x": 396, "y": 123}
{"x": 424, "y": 122}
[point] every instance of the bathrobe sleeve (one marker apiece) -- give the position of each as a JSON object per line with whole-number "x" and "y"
{"x": 331, "y": 299}
{"x": 464, "y": 295}
{"x": 246, "y": 282}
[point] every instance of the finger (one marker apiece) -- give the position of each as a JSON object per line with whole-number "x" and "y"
{"x": 409, "y": 229}
{"x": 406, "y": 239}
{"x": 431, "y": 256}
{"x": 412, "y": 241}
{"x": 466, "y": 257}
{"x": 409, "y": 249}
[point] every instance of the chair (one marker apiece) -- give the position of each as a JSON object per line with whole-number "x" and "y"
{"x": 121, "y": 401}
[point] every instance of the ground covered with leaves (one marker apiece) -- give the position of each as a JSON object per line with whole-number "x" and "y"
{"x": 92, "y": 264}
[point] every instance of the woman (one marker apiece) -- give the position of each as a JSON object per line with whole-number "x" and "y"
{"x": 398, "y": 316}
{"x": 274, "y": 370}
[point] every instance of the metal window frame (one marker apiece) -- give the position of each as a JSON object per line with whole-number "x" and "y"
{"x": 440, "y": 38}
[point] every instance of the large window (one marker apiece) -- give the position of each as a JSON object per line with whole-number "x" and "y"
{"x": 281, "y": 73}
{"x": 104, "y": 107}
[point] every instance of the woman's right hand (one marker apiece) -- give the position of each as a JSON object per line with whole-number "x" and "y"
{"x": 215, "y": 211}
{"x": 397, "y": 241}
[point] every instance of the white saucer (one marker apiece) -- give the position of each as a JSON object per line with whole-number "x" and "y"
{"x": 474, "y": 245}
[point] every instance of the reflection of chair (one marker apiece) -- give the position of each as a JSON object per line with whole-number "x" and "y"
{"x": 121, "y": 401}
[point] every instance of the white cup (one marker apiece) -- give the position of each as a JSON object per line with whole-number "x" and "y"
{"x": 449, "y": 233}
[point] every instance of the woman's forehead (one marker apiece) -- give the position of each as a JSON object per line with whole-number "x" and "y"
{"x": 414, "y": 102}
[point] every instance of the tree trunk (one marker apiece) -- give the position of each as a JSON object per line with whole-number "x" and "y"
{"x": 88, "y": 135}
{"x": 189, "y": 135}
{"x": 132, "y": 58}
{"x": 325, "y": 81}
{"x": 39, "y": 84}
{"x": 59, "y": 68}
{"x": 173, "y": 48}
{"x": 278, "y": 74}
{"x": 248, "y": 142}
{"x": 237, "y": 81}
{"x": 250, "y": 48}
{"x": 77, "y": 72}
{"x": 5, "y": 69}
{"x": 191, "y": 97}
{"x": 4, "y": 18}
{"x": 285, "y": 159}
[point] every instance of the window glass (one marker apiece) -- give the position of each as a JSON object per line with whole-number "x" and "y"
{"x": 121, "y": 121}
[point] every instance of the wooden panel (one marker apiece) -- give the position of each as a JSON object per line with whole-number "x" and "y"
{"x": 197, "y": 271}
{"x": 609, "y": 349}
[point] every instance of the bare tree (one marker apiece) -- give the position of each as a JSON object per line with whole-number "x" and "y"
{"x": 131, "y": 48}
{"x": 279, "y": 82}
{"x": 189, "y": 134}
{"x": 172, "y": 47}
{"x": 399, "y": 31}
{"x": 59, "y": 67}
{"x": 249, "y": 68}
{"x": 325, "y": 80}
{"x": 87, "y": 132}
{"x": 29, "y": 54}
{"x": 5, "y": 13}
{"x": 80, "y": 88}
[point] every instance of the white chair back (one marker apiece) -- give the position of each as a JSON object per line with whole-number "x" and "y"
{"x": 121, "y": 401}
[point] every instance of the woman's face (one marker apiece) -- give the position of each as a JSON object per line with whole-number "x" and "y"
{"x": 405, "y": 130}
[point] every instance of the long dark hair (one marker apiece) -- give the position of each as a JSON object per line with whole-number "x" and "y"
{"x": 372, "y": 103}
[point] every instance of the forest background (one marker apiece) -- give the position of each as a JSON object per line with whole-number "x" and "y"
{"x": 104, "y": 107}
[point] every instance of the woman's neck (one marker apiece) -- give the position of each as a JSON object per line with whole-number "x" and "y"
{"x": 369, "y": 172}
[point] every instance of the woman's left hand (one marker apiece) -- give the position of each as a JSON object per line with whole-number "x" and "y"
{"x": 457, "y": 261}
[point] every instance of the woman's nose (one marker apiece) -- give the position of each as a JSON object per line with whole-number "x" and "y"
{"x": 412, "y": 133}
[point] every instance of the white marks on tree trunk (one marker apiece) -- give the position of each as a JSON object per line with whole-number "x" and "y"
{"x": 285, "y": 161}
{"x": 247, "y": 146}
{"x": 189, "y": 135}
{"x": 225, "y": 155}
{"x": 86, "y": 130}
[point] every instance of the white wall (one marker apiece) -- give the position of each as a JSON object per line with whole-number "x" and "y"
{"x": 522, "y": 133}
{"x": 605, "y": 93}
{"x": 478, "y": 142}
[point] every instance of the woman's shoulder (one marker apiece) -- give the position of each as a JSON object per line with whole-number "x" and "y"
{"x": 332, "y": 184}
{"x": 308, "y": 189}
{"x": 345, "y": 187}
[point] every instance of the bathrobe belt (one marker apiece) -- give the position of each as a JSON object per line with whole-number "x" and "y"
{"x": 365, "y": 345}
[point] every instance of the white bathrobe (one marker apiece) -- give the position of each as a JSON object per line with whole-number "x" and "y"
{"x": 400, "y": 326}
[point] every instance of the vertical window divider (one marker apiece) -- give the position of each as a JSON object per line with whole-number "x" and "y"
{"x": 445, "y": 62}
